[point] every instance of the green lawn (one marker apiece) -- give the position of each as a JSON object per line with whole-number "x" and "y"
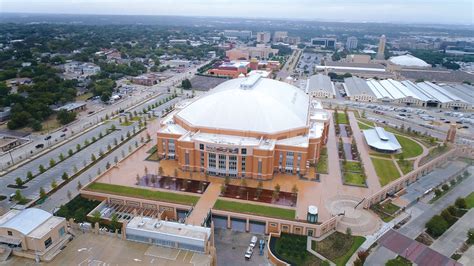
{"x": 341, "y": 116}
{"x": 409, "y": 147}
{"x": 322, "y": 165}
{"x": 406, "y": 166}
{"x": 354, "y": 179}
{"x": 386, "y": 170}
{"x": 363, "y": 126}
{"x": 338, "y": 247}
{"x": 143, "y": 193}
{"x": 292, "y": 249}
{"x": 470, "y": 200}
{"x": 352, "y": 166}
{"x": 268, "y": 211}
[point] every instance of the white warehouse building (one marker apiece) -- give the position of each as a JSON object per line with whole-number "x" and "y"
{"x": 424, "y": 94}
{"x": 320, "y": 86}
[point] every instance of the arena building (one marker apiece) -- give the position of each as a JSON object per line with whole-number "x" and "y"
{"x": 247, "y": 127}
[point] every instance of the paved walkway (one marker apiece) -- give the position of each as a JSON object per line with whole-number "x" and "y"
{"x": 414, "y": 250}
{"x": 452, "y": 239}
{"x": 372, "y": 178}
{"x": 205, "y": 203}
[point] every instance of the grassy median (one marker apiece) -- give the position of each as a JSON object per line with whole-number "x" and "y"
{"x": 255, "y": 209}
{"x": 386, "y": 170}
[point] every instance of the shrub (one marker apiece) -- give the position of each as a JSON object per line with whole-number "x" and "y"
{"x": 438, "y": 192}
{"x": 448, "y": 217}
{"x": 461, "y": 203}
{"x": 436, "y": 226}
{"x": 445, "y": 187}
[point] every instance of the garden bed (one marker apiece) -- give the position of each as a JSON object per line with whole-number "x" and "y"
{"x": 259, "y": 210}
{"x": 292, "y": 249}
{"x": 77, "y": 208}
{"x": 266, "y": 195}
{"x": 173, "y": 183}
{"x": 338, "y": 247}
{"x": 385, "y": 211}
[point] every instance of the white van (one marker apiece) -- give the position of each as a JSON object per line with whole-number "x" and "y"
{"x": 253, "y": 241}
{"x": 248, "y": 253}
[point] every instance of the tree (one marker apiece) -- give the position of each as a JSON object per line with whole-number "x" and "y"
{"x": 70, "y": 152}
{"x": 461, "y": 203}
{"x": 61, "y": 157}
{"x": 186, "y": 84}
{"x": 65, "y": 176}
{"x": 52, "y": 162}
{"x": 29, "y": 175}
{"x": 294, "y": 190}
{"x": 436, "y": 226}
{"x": 448, "y": 217}
{"x": 93, "y": 158}
{"x": 226, "y": 181}
{"x": 114, "y": 222}
{"x": 95, "y": 217}
{"x": 19, "y": 182}
{"x": 107, "y": 165}
{"x": 276, "y": 192}
{"x": 42, "y": 193}
{"x": 18, "y": 196}
{"x": 160, "y": 171}
{"x": 438, "y": 192}
{"x": 79, "y": 185}
{"x": 348, "y": 231}
{"x": 445, "y": 187}
{"x": 41, "y": 168}
{"x": 54, "y": 184}
{"x": 64, "y": 117}
{"x": 78, "y": 147}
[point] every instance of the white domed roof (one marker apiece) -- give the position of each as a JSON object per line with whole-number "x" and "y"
{"x": 408, "y": 60}
{"x": 252, "y": 104}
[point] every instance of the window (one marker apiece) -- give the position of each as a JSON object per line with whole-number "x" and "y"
{"x": 289, "y": 161}
{"x": 222, "y": 161}
{"x": 186, "y": 158}
{"x": 242, "y": 166}
{"x": 171, "y": 148}
{"x": 48, "y": 242}
{"x": 10, "y": 233}
{"x": 310, "y": 232}
{"x": 62, "y": 231}
{"x": 299, "y": 160}
{"x": 202, "y": 159}
{"x": 233, "y": 163}
{"x": 212, "y": 160}
{"x": 243, "y": 151}
{"x": 280, "y": 160}
{"x": 201, "y": 147}
{"x": 259, "y": 167}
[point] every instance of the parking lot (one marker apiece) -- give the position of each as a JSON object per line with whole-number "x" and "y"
{"x": 231, "y": 247}
{"x": 90, "y": 249}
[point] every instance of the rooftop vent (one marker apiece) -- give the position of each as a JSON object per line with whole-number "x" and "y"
{"x": 249, "y": 82}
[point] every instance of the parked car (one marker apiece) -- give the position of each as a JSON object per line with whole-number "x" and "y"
{"x": 253, "y": 241}
{"x": 62, "y": 135}
{"x": 248, "y": 253}
{"x": 39, "y": 146}
{"x": 65, "y": 129}
{"x": 48, "y": 137}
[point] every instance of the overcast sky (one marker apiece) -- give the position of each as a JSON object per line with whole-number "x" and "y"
{"x": 418, "y": 11}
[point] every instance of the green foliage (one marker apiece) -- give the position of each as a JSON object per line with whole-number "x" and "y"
{"x": 77, "y": 208}
{"x": 186, "y": 84}
{"x": 461, "y": 203}
{"x": 436, "y": 226}
{"x": 103, "y": 88}
{"x": 64, "y": 117}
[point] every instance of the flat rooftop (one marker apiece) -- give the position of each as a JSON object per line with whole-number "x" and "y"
{"x": 169, "y": 228}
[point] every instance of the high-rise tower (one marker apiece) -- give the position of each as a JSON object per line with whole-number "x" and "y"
{"x": 381, "y": 50}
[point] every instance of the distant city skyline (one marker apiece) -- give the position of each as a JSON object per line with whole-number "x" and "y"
{"x": 396, "y": 11}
